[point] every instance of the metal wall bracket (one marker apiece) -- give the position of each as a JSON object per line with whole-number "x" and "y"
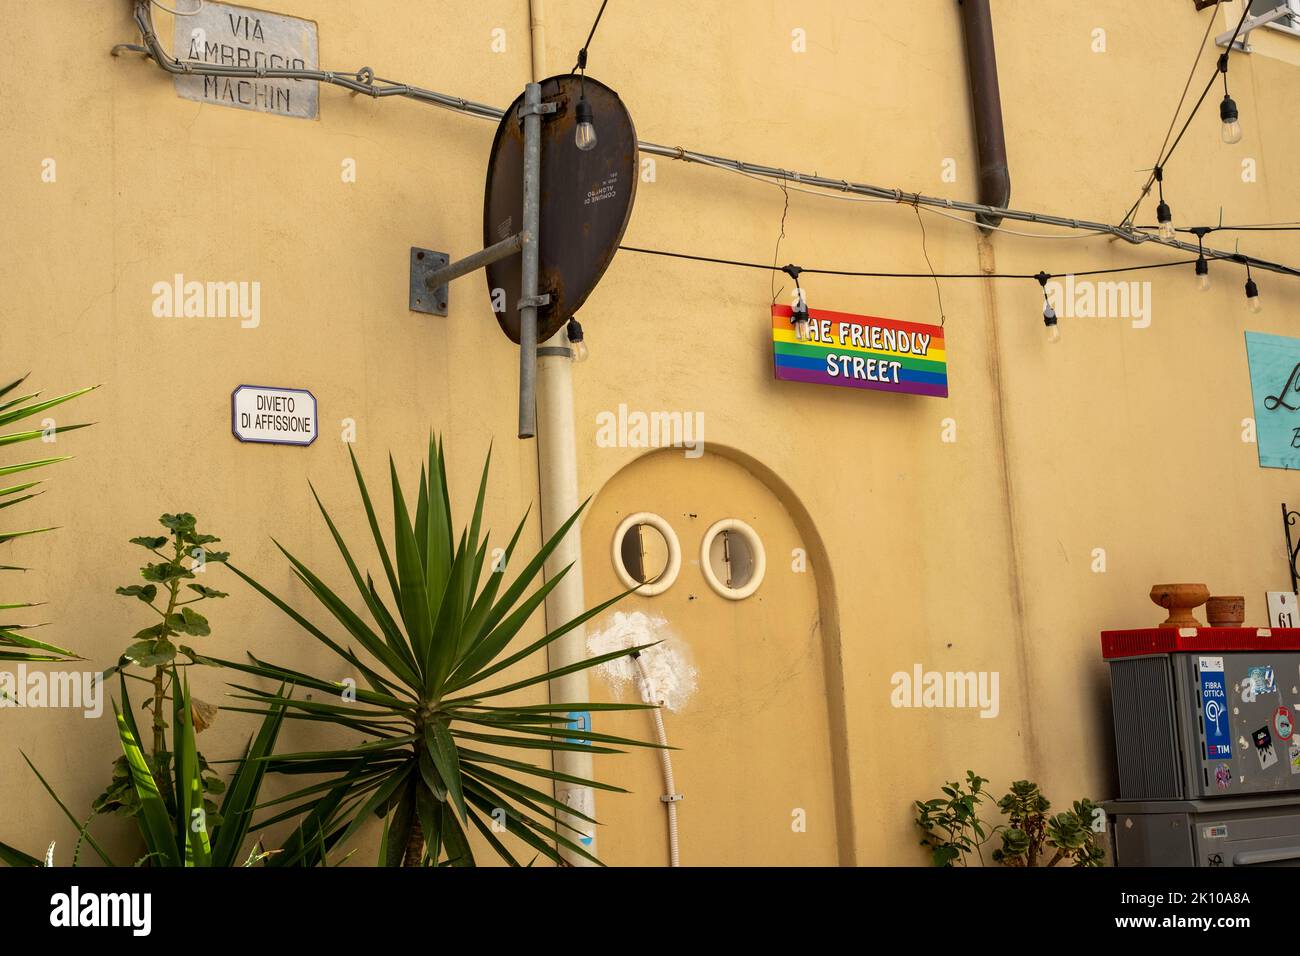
{"x": 1252, "y": 23}
{"x": 527, "y": 109}
{"x": 424, "y": 262}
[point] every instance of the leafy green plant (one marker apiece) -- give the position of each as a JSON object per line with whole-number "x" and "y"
{"x": 155, "y": 648}
{"x": 951, "y": 823}
{"x": 953, "y": 828}
{"x": 1026, "y": 810}
{"x": 1030, "y": 831}
{"x": 16, "y": 646}
{"x": 430, "y": 761}
{"x": 185, "y": 834}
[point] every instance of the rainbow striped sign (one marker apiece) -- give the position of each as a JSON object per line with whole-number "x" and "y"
{"x": 861, "y": 351}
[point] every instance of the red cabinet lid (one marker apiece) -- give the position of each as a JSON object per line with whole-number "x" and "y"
{"x": 1172, "y": 640}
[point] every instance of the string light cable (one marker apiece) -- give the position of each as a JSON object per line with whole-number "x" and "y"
{"x": 856, "y": 273}
{"x": 364, "y": 81}
{"x": 584, "y": 134}
{"x": 1220, "y": 68}
{"x": 1173, "y": 120}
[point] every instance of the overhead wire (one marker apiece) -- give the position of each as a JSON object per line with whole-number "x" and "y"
{"x": 855, "y": 273}
{"x": 1173, "y": 120}
{"x": 1221, "y": 66}
{"x": 365, "y": 82}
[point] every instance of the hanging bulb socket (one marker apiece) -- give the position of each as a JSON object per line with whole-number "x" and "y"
{"x": 1252, "y": 295}
{"x": 1165, "y": 217}
{"x": 1049, "y": 314}
{"x": 1202, "y": 264}
{"x": 1231, "y": 125}
{"x": 584, "y": 135}
{"x": 1052, "y": 324}
{"x": 577, "y": 344}
{"x": 799, "y": 311}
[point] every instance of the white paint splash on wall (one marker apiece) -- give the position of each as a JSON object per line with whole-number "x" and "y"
{"x": 670, "y": 664}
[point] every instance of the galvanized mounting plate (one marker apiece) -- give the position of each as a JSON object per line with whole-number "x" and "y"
{"x": 424, "y": 261}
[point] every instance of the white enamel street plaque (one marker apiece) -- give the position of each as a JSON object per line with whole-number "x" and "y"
{"x": 237, "y": 36}
{"x": 274, "y": 416}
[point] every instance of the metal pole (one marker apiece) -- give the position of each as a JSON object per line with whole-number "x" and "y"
{"x": 528, "y": 292}
{"x": 493, "y": 253}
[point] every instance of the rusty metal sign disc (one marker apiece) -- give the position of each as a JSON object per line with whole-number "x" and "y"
{"x": 586, "y": 201}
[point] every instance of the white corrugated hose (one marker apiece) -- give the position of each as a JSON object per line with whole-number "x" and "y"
{"x": 670, "y": 797}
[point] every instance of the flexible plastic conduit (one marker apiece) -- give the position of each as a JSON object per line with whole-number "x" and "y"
{"x": 670, "y": 796}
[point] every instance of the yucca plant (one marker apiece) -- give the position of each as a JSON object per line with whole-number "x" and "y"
{"x": 186, "y": 834}
{"x": 15, "y": 646}
{"x": 429, "y": 707}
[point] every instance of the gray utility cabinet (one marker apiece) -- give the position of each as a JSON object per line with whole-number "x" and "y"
{"x": 1206, "y": 746}
{"x": 1236, "y": 831}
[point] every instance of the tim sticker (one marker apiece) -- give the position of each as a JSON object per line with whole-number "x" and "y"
{"x": 1214, "y": 709}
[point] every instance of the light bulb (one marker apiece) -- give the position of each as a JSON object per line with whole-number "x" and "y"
{"x": 584, "y": 136}
{"x": 1202, "y": 274}
{"x": 1053, "y": 327}
{"x": 577, "y": 342}
{"x": 1252, "y": 297}
{"x": 799, "y": 315}
{"x": 1231, "y": 127}
{"x": 1166, "y": 219}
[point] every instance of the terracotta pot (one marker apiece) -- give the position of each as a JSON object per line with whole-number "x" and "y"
{"x": 1226, "y": 610}
{"x": 1178, "y": 600}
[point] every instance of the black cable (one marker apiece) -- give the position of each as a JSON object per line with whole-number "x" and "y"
{"x": 899, "y": 275}
{"x": 582, "y": 54}
{"x": 1209, "y": 229}
{"x": 1220, "y": 66}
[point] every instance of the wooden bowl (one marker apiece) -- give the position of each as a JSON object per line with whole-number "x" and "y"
{"x": 1226, "y": 610}
{"x": 1178, "y": 600}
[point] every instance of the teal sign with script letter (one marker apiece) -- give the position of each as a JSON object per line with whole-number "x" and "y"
{"x": 1275, "y": 383}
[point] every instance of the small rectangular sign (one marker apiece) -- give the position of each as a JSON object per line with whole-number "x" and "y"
{"x": 273, "y": 416}
{"x": 1214, "y": 709}
{"x": 861, "y": 351}
{"x": 238, "y": 36}
{"x": 1275, "y": 384}
{"x": 1282, "y": 611}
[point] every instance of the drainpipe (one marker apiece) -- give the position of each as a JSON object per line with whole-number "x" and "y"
{"x": 557, "y": 479}
{"x": 986, "y": 108}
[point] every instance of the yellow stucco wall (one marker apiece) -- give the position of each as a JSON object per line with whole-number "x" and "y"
{"x": 967, "y": 555}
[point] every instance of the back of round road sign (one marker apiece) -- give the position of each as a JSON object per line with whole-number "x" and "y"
{"x": 586, "y": 200}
